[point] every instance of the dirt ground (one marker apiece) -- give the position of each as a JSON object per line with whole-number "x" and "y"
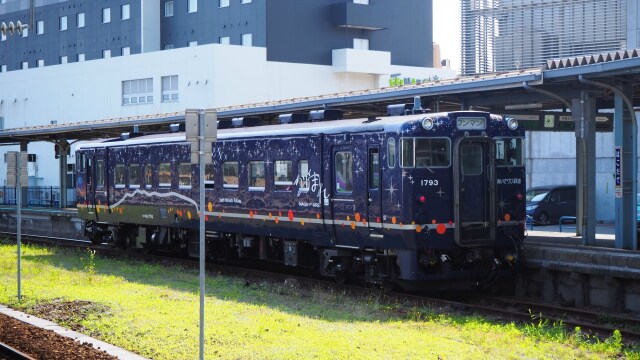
{"x": 45, "y": 344}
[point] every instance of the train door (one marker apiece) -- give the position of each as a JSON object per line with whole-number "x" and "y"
{"x": 474, "y": 191}
{"x": 348, "y": 205}
{"x": 100, "y": 200}
{"x": 85, "y": 182}
{"x": 374, "y": 200}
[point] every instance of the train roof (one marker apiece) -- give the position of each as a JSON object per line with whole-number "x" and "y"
{"x": 386, "y": 124}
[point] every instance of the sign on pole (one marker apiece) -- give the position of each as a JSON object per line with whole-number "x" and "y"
{"x": 18, "y": 177}
{"x": 618, "y": 171}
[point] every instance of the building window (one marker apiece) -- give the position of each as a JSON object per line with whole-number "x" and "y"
{"x": 126, "y": 51}
{"x": 344, "y": 172}
{"x": 361, "y": 44}
{"x": 164, "y": 175}
{"x": 224, "y": 3}
{"x": 62, "y": 23}
{"x": 247, "y": 39}
{"x": 106, "y": 15}
{"x": 25, "y": 32}
{"x": 126, "y": 11}
{"x": 193, "y": 6}
{"x": 1, "y": 123}
{"x": 63, "y": 60}
{"x": 80, "y": 20}
{"x": 363, "y": 2}
{"x": 3, "y": 68}
{"x": 184, "y": 175}
{"x": 40, "y": 27}
{"x": 225, "y": 40}
{"x": 168, "y": 9}
{"x": 40, "y": 62}
{"x": 25, "y": 65}
{"x": 170, "y": 88}
{"x": 230, "y": 175}
{"x": 193, "y": 43}
{"x": 168, "y": 47}
{"x": 106, "y": 54}
{"x": 283, "y": 175}
{"x": 138, "y": 91}
{"x": 256, "y": 175}
{"x": 245, "y": 1}
{"x": 80, "y": 57}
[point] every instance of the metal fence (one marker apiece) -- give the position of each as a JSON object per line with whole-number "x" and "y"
{"x": 37, "y": 196}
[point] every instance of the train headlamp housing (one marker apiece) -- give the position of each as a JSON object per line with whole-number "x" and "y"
{"x": 427, "y": 123}
{"x": 512, "y": 123}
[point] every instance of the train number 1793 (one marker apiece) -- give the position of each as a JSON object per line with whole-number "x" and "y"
{"x": 426, "y": 182}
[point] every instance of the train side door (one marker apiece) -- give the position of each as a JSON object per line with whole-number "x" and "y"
{"x": 86, "y": 182}
{"x": 100, "y": 183}
{"x": 374, "y": 200}
{"x": 474, "y": 191}
{"x": 345, "y": 190}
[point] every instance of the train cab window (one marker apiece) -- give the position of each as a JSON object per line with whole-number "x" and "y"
{"x": 230, "y": 175}
{"x": 283, "y": 175}
{"x": 134, "y": 176}
{"x": 119, "y": 176}
{"x": 164, "y": 174}
{"x": 391, "y": 153}
{"x": 425, "y": 152}
{"x": 100, "y": 173}
{"x": 344, "y": 172}
{"x": 148, "y": 176}
{"x": 304, "y": 175}
{"x": 256, "y": 176}
{"x": 509, "y": 152}
{"x": 209, "y": 176}
{"x": 184, "y": 175}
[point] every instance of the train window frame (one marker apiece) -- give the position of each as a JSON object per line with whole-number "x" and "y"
{"x": 251, "y": 179}
{"x": 119, "y": 176}
{"x": 283, "y": 182}
{"x": 225, "y": 183}
{"x": 519, "y": 151}
{"x": 392, "y": 151}
{"x": 303, "y": 180}
{"x": 162, "y": 175}
{"x": 148, "y": 176}
{"x": 209, "y": 176}
{"x": 100, "y": 180}
{"x": 134, "y": 176}
{"x": 184, "y": 172}
{"x": 412, "y": 141}
{"x": 346, "y": 172}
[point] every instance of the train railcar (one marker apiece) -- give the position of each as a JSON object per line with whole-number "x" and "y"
{"x": 423, "y": 201}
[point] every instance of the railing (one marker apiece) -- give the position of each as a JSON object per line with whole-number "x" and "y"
{"x": 37, "y": 196}
{"x": 564, "y": 219}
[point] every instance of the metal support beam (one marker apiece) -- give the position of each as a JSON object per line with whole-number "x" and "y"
{"x": 584, "y": 110}
{"x": 24, "y": 191}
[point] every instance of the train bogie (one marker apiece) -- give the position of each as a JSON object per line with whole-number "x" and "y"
{"x": 412, "y": 200}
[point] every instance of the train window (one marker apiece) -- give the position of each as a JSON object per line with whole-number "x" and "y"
{"x": 256, "y": 175}
{"x": 164, "y": 174}
{"x": 119, "y": 175}
{"x": 509, "y": 152}
{"x": 100, "y": 173}
{"x": 80, "y": 162}
{"x": 230, "y": 175}
{"x": 344, "y": 171}
{"x": 184, "y": 175}
{"x": 374, "y": 169}
{"x": 148, "y": 176}
{"x": 471, "y": 159}
{"x": 283, "y": 175}
{"x": 425, "y": 152}
{"x": 209, "y": 176}
{"x": 391, "y": 153}
{"x": 134, "y": 176}
{"x": 304, "y": 175}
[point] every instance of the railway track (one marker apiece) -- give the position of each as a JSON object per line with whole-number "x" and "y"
{"x": 501, "y": 308}
{"x": 9, "y": 353}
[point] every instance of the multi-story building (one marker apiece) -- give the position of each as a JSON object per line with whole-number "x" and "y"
{"x": 502, "y": 35}
{"x": 82, "y": 60}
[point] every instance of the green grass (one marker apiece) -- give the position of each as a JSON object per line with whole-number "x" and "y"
{"x": 153, "y": 310}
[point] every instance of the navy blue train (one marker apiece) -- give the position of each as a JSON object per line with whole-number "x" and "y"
{"x": 422, "y": 201}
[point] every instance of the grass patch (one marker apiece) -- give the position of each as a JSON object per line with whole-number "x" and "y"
{"x": 153, "y": 310}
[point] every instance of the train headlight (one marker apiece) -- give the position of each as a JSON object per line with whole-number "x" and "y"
{"x": 427, "y": 123}
{"x": 512, "y": 123}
